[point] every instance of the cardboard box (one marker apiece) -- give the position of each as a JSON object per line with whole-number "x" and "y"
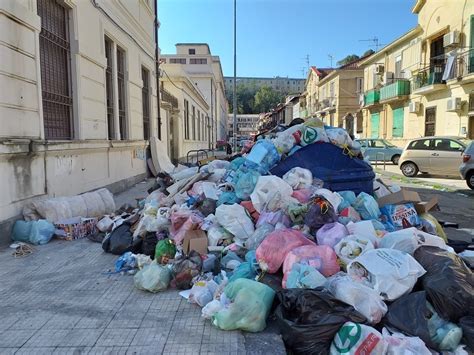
{"x": 75, "y": 228}
{"x": 398, "y": 198}
{"x": 423, "y": 207}
{"x": 195, "y": 240}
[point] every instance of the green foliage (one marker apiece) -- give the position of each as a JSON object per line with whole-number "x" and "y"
{"x": 368, "y": 52}
{"x": 245, "y": 98}
{"x": 266, "y": 98}
{"x": 348, "y": 59}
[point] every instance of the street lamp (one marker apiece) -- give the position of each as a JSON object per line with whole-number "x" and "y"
{"x": 234, "y": 105}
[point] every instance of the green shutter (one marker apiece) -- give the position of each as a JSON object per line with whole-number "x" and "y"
{"x": 397, "y": 129}
{"x": 374, "y": 125}
{"x": 471, "y": 53}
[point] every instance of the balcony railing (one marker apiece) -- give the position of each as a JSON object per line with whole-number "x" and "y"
{"x": 429, "y": 75}
{"x": 168, "y": 97}
{"x": 471, "y": 102}
{"x": 401, "y": 87}
{"x": 371, "y": 97}
{"x": 465, "y": 63}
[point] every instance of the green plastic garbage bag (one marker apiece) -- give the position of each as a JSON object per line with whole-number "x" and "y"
{"x": 165, "y": 249}
{"x": 250, "y": 304}
{"x": 152, "y": 278}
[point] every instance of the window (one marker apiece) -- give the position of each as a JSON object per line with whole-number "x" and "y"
{"x": 430, "y": 121}
{"x": 186, "y": 119}
{"x": 55, "y": 70}
{"x": 194, "y": 123}
{"x": 359, "y": 85}
{"x": 422, "y": 144}
{"x": 398, "y": 67}
{"x": 109, "y": 89}
{"x": 191, "y": 51}
{"x": 447, "y": 145}
{"x": 377, "y": 144}
{"x": 121, "y": 92}
{"x": 178, "y": 60}
{"x": 198, "y": 61}
{"x": 198, "y": 123}
{"x": 146, "y": 103}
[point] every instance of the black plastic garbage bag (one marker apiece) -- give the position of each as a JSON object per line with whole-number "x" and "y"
{"x": 410, "y": 315}
{"x": 149, "y": 242}
{"x": 448, "y": 282}
{"x": 185, "y": 268}
{"x": 309, "y": 319}
{"x": 121, "y": 241}
{"x": 467, "y": 326}
{"x": 320, "y": 212}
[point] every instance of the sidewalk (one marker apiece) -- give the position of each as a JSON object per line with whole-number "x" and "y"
{"x": 61, "y": 300}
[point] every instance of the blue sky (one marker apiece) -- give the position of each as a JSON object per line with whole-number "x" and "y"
{"x": 274, "y": 36}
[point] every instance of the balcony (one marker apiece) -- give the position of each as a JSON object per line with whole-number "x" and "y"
{"x": 166, "y": 96}
{"x": 464, "y": 66}
{"x": 429, "y": 79}
{"x": 399, "y": 90}
{"x": 371, "y": 97}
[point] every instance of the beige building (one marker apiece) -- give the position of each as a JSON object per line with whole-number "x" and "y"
{"x": 246, "y": 125}
{"x": 423, "y": 83}
{"x": 77, "y": 98}
{"x": 312, "y": 89}
{"x": 194, "y": 76}
{"x": 283, "y": 85}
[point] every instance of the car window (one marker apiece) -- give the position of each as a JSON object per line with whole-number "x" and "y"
{"x": 422, "y": 144}
{"x": 378, "y": 144}
{"x": 447, "y": 145}
{"x": 363, "y": 143}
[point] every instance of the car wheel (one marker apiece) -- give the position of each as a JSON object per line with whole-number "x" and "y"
{"x": 395, "y": 159}
{"x": 470, "y": 179}
{"x": 409, "y": 169}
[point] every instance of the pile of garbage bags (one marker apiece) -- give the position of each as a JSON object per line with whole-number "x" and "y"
{"x": 338, "y": 272}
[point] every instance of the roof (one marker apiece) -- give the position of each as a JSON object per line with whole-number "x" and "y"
{"x": 418, "y": 5}
{"x": 321, "y": 72}
{"x": 355, "y": 64}
{"x": 194, "y": 44}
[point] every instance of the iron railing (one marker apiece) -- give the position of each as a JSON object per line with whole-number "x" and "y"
{"x": 168, "y": 97}
{"x": 464, "y": 63}
{"x": 429, "y": 75}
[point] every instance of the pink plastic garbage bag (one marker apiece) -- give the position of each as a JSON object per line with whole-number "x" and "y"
{"x": 272, "y": 251}
{"x": 321, "y": 257}
{"x": 181, "y": 222}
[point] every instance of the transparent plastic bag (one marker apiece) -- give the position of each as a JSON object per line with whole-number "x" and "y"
{"x": 366, "y": 205}
{"x": 330, "y": 234}
{"x": 298, "y": 178}
{"x": 34, "y": 232}
{"x": 304, "y": 276}
{"x": 152, "y": 278}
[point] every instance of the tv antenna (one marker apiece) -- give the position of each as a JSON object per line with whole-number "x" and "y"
{"x": 331, "y": 58}
{"x": 375, "y": 42}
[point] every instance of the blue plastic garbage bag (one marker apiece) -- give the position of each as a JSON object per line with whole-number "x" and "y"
{"x": 34, "y": 232}
{"x": 304, "y": 276}
{"x": 245, "y": 182}
{"x": 227, "y": 198}
{"x": 127, "y": 261}
{"x": 248, "y": 269}
{"x": 367, "y": 207}
{"x": 349, "y": 198}
{"x": 231, "y": 259}
{"x": 264, "y": 154}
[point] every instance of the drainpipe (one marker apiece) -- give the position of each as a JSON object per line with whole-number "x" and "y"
{"x": 157, "y": 69}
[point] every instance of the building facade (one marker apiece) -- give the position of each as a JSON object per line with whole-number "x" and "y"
{"x": 247, "y": 125}
{"x": 281, "y": 84}
{"x": 194, "y": 75}
{"x": 425, "y": 79}
{"x": 312, "y": 89}
{"x": 81, "y": 99}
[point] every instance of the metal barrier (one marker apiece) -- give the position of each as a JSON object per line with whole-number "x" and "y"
{"x": 383, "y": 159}
{"x": 197, "y": 153}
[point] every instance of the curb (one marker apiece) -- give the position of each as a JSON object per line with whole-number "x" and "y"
{"x": 416, "y": 182}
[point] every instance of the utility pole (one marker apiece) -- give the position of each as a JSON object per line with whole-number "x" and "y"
{"x": 331, "y": 57}
{"x": 234, "y": 106}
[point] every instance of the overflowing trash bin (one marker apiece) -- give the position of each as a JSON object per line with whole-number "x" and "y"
{"x": 299, "y": 230}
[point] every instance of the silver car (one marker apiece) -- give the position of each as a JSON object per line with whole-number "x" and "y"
{"x": 433, "y": 155}
{"x": 467, "y": 167}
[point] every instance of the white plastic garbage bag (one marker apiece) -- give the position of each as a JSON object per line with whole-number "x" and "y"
{"x": 235, "y": 219}
{"x": 351, "y": 247}
{"x": 365, "y": 300}
{"x": 202, "y": 292}
{"x": 410, "y": 239}
{"x": 390, "y": 272}
{"x": 397, "y": 343}
{"x": 271, "y": 193}
{"x": 356, "y": 339}
{"x": 152, "y": 278}
{"x": 333, "y": 197}
{"x": 298, "y": 178}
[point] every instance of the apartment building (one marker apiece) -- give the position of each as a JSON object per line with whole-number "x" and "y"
{"x": 246, "y": 125}
{"x": 312, "y": 89}
{"x": 78, "y": 99}
{"x": 422, "y": 84}
{"x": 194, "y": 76}
{"x": 283, "y": 85}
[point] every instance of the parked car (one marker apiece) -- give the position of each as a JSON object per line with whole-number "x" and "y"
{"x": 467, "y": 166}
{"x": 380, "y": 149}
{"x": 434, "y": 155}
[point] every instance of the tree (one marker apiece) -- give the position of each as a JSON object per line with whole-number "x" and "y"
{"x": 348, "y": 59}
{"x": 266, "y": 98}
{"x": 245, "y": 98}
{"x": 368, "y": 52}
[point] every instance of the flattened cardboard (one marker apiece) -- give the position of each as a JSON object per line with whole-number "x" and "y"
{"x": 423, "y": 207}
{"x": 195, "y": 240}
{"x": 398, "y": 198}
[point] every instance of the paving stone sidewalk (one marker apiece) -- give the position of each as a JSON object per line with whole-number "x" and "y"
{"x": 61, "y": 300}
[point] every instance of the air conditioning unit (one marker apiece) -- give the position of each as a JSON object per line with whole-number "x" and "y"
{"x": 379, "y": 68}
{"x": 388, "y": 77}
{"x": 451, "y": 39}
{"x": 454, "y": 104}
{"x": 414, "y": 107}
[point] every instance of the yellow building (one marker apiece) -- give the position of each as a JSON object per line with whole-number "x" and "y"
{"x": 422, "y": 84}
{"x": 312, "y": 89}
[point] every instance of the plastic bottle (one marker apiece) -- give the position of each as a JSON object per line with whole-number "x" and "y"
{"x": 446, "y": 334}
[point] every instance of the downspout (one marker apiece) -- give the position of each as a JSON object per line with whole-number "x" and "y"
{"x": 157, "y": 70}
{"x": 211, "y": 144}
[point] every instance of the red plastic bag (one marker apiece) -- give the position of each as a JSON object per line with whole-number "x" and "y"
{"x": 182, "y": 222}
{"x": 321, "y": 257}
{"x": 273, "y": 250}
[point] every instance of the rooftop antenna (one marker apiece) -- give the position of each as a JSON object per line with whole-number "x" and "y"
{"x": 375, "y": 40}
{"x": 303, "y": 71}
{"x": 331, "y": 58}
{"x": 306, "y": 60}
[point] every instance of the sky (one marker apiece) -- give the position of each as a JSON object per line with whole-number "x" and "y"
{"x": 275, "y": 36}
